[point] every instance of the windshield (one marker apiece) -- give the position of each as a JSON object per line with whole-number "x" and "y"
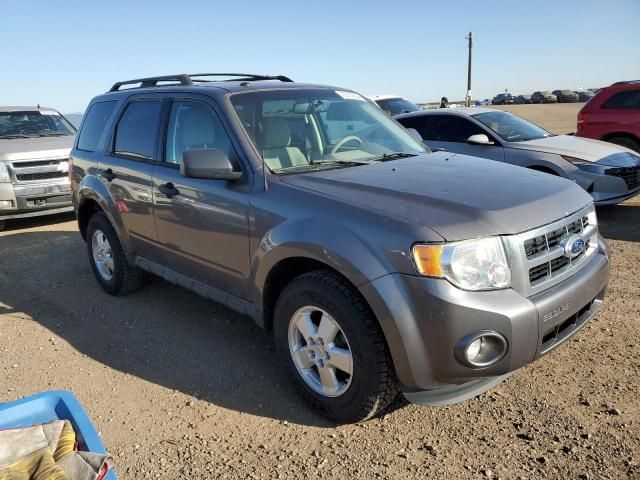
{"x": 396, "y": 106}
{"x": 511, "y": 128}
{"x": 306, "y": 130}
{"x": 37, "y": 123}
{"x": 546, "y": 92}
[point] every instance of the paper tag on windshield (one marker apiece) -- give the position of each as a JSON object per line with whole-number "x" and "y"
{"x": 350, "y": 95}
{"x": 48, "y": 112}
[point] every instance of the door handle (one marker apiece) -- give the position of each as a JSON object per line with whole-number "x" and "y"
{"x": 108, "y": 174}
{"x": 169, "y": 190}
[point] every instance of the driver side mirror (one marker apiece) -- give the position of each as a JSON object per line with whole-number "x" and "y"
{"x": 208, "y": 163}
{"x": 479, "y": 139}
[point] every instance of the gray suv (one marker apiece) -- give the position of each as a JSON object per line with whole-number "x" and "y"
{"x": 34, "y": 161}
{"x": 381, "y": 268}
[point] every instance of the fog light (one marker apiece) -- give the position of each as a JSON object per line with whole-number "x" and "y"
{"x": 481, "y": 349}
{"x": 6, "y": 204}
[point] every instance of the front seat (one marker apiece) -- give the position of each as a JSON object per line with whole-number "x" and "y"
{"x": 277, "y": 151}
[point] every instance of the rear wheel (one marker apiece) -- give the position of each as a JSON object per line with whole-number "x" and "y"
{"x": 626, "y": 142}
{"x": 107, "y": 258}
{"x": 333, "y": 348}
{"x": 3, "y": 225}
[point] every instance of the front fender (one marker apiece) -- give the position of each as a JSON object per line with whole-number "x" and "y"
{"x": 327, "y": 242}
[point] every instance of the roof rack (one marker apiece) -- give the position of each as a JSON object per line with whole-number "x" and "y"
{"x": 189, "y": 79}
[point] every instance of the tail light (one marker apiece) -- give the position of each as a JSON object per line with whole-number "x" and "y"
{"x": 582, "y": 117}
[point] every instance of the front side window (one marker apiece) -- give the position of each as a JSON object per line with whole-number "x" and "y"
{"x": 423, "y": 124}
{"x": 449, "y": 128}
{"x": 34, "y": 123}
{"x": 511, "y": 128}
{"x": 193, "y": 126}
{"x": 137, "y": 129}
{"x": 310, "y": 129}
{"x": 94, "y": 124}
{"x": 629, "y": 99}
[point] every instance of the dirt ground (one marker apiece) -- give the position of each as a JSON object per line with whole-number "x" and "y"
{"x": 180, "y": 387}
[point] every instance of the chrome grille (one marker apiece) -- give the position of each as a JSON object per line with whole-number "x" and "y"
{"x": 537, "y": 257}
{"x": 39, "y": 170}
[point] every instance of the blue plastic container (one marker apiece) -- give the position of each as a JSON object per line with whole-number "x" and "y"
{"x": 49, "y": 406}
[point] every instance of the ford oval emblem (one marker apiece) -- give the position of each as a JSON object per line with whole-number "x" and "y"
{"x": 574, "y": 246}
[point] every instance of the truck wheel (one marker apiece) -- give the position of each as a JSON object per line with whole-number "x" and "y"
{"x": 625, "y": 142}
{"x": 332, "y": 346}
{"x": 3, "y": 224}
{"x": 107, "y": 259}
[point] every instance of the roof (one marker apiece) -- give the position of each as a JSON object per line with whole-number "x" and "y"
{"x": 30, "y": 108}
{"x": 462, "y": 111}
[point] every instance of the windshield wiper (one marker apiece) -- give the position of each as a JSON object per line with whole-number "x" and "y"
{"x": 340, "y": 160}
{"x": 15, "y": 135}
{"x": 53, "y": 134}
{"x": 392, "y": 156}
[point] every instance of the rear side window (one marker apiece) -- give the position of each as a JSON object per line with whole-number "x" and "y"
{"x": 137, "y": 129}
{"x": 423, "y": 124}
{"x": 94, "y": 124}
{"x": 629, "y": 99}
{"x": 454, "y": 129}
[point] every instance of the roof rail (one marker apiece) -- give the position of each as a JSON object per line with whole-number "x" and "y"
{"x": 189, "y": 79}
{"x": 153, "y": 81}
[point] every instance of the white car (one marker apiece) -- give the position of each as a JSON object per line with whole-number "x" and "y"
{"x": 610, "y": 173}
{"x": 394, "y": 104}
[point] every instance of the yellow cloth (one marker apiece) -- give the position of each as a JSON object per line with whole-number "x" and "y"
{"x": 31, "y": 453}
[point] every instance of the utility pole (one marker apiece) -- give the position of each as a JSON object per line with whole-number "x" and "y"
{"x": 470, "y": 38}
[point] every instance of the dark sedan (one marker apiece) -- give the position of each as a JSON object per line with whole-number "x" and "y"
{"x": 502, "y": 99}
{"x": 585, "y": 95}
{"x": 522, "y": 99}
{"x": 566, "y": 96}
{"x": 544, "y": 96}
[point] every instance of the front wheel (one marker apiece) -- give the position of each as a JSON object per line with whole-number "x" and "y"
{"x": 107, "y": 258}
{"x": 623, "y": 142}
{"x": 332, "y": 346}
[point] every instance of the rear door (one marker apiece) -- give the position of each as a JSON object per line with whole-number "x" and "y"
{"x": 450, "y": 132}
{"x": 126, "y": 169}
{"x": 202, "y": 224}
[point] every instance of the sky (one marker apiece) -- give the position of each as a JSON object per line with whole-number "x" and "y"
{"x": 61, "y": 54}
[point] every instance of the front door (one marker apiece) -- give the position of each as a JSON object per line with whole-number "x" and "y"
{"x": 202, "y": 224}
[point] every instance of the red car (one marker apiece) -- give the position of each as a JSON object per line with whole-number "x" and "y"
{"x": 613, "y": 115}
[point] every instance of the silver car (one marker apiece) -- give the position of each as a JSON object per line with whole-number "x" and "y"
{"x": 610, "y": 173}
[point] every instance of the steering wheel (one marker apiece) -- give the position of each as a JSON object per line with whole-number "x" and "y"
{"x": 340, "y": 143}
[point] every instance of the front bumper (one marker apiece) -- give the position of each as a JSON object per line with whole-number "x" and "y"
{"x": 35, "y": 199}
{"x": 423, "y": 319}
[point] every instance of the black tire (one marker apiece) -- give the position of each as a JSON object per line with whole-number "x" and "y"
{"x": 625, "y": 142}
{"x": 125, "y": 278}
{"x": 3, "y": 225}
{"x": 374, "y": 385}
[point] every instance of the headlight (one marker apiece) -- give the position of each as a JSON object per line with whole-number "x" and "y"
{"x": 4, "y": 173}
{"x": 585, "y": 165}
{"x": 471, "y": 265}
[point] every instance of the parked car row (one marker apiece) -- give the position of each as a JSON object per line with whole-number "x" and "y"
{"x": 544, "y": 96}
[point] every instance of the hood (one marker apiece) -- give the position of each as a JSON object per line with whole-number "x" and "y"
{"x": 458, "y": 196}
{"x": 587, "y": 149}
{"x": 35, "y": 148}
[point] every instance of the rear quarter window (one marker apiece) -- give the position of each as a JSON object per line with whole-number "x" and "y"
{"x": 629, "y": 99}
{"x": 94, "y": 124}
